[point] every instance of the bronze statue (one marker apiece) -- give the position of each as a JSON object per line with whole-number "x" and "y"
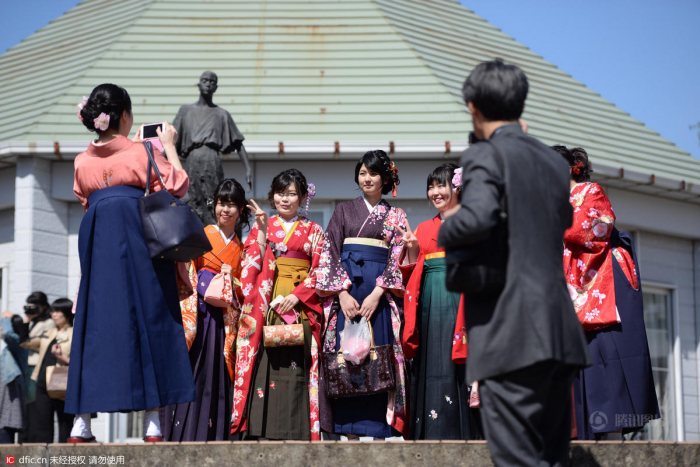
{"x": 205, "y": 131}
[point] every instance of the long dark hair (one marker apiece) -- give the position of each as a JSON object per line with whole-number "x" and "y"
{"x": 109, "y": 99}
{"x": 378, "y": 161}
{"x": 230, "y": 191}
{"x": 578, "y": 161}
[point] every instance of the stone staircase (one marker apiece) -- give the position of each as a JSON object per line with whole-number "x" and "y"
{"x": 334, "y": 453}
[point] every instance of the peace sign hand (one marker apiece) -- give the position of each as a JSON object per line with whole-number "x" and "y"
{"x": 260, "y": 215}
{"x": 409, "y": 238}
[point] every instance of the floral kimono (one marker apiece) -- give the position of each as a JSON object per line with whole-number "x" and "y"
{"x": 287, "y": 265}
{"x": 588, "y": 257}
{"x": 210, "y": 332}
{"x": 363, "y": 247}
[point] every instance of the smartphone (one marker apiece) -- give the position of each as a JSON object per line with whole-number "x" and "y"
{"x": 149, "y": 130}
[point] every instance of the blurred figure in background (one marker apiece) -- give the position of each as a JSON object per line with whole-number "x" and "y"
{"x": 54, "y": 350}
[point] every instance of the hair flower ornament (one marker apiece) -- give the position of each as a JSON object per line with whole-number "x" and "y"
{"x": 457, "y": 179}
{"x": 578, "y": 168}
{"x": 101, "y": 122}
{"x": 395, "y": 173}
{"x": 310, "y": 194}
{"x": 81, "y": 105}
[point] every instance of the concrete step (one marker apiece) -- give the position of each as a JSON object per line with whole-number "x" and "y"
{"x": 334, "y": 453}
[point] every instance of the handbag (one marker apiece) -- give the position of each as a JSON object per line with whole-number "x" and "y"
{"x": 480, "y": 268}
{"x": 373, "y": 376}
{"x": 281, "y": 335}
{"x": 219, "y": 292}
{"x": 56, "y": 382}
{"x": 171, "y": 228}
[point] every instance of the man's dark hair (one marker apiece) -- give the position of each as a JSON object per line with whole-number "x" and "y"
{"x": 497, "y": 89}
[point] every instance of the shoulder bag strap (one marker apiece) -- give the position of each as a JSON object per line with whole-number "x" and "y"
{"x": 151, "y": 166}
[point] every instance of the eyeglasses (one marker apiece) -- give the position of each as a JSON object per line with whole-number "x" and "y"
{"x": 291, "y": 194}
{"x": 31, "y": 308}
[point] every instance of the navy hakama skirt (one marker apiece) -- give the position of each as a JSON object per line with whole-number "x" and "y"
{"x": 128, "y": 351}
{"x": 207, "y": 417}
{"x": 616, "y": 393}
{"x": 365, "y": 415}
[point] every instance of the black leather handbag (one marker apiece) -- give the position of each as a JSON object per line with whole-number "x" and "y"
{"x": 373, "y": 376}
{"x": 171, "y": 228}
{"x": 481, "y": 268}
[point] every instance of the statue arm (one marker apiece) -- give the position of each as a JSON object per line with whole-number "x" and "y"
{"x": 243, "y": 154}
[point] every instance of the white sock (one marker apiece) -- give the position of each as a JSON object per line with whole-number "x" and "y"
{"x": 81, "y": 426}
{"x": 151, "y": 423}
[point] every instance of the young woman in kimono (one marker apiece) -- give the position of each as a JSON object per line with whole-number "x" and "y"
{"x": 275, "y": 394}
{"x": 360, "y": 276}
{"x": 603, "y": 280}
{"x": 210, "y": 330}
{"x": 434, "y": 333}
{"x": 128, "y": 351}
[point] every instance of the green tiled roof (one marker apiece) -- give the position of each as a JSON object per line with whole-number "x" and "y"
{"x": 314, "y": 71}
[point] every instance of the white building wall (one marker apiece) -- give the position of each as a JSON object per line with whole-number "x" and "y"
{"x": 41, "y": 246}
{"x": 668, "y": 261}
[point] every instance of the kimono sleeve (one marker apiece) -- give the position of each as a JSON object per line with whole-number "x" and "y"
{"x": 306, "y": 290}
{"x": 391, "y": 278}
{"x": 592, "y": 224}
{"x": 251, "y": 263}
{"x": 330, "y": 274}
{"x": 176, "y": 181}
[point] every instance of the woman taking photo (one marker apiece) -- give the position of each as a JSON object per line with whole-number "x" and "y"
{"x": 603, "y": 280}
{"x": 360, "y": 275}
{"x": 54, "y": 351}
{"x": 129, "y": 351}
{"x": 276, "y": 387}
{"x": 210, "y": 329}
{"x": 433, "y": 334}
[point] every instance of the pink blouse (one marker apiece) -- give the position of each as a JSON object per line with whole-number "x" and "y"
{"x": 123, "y": 162}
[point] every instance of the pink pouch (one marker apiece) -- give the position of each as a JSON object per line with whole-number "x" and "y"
{"x": 219, "y": 293}
{"x": 289, "y": 316}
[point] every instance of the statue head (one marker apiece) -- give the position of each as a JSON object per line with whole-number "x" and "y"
{"x": 207, "y": 83}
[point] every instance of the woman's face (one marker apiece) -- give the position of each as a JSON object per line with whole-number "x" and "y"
{"x": 442, "y": 196}
{"x": 370, "y": 182}
{"x": 226, "y": 213}
{"x": 287, "y": 201}
{"x": 59, "y": 319}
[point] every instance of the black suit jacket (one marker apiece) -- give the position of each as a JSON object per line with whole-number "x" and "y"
{"x": 532, "y": 319}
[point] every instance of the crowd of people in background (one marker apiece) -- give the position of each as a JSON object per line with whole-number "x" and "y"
{"x": 206, "y": 361}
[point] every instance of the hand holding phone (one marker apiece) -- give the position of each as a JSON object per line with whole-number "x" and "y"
{"x": 149, "y": 132}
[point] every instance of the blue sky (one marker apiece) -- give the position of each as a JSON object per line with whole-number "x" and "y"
{"x": 642, "y": 55}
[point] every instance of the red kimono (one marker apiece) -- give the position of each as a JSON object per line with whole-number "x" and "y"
{"x": 427, "y": 234}
{"x": 257, "y": 277}
{"x": 588, "y": 257}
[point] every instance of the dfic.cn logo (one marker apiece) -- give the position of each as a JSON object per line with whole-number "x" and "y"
{"x": 9, "y": 460}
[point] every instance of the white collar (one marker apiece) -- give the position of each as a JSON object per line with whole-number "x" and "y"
{"x": 370, "y": 208}
{"x": 286, "y": 225}
{"x": 226, "y": 239}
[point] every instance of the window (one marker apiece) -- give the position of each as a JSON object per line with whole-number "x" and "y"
{"x": 658, "y": 318}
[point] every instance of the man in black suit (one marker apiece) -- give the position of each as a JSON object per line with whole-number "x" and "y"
{"x": 525, "y": 342}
